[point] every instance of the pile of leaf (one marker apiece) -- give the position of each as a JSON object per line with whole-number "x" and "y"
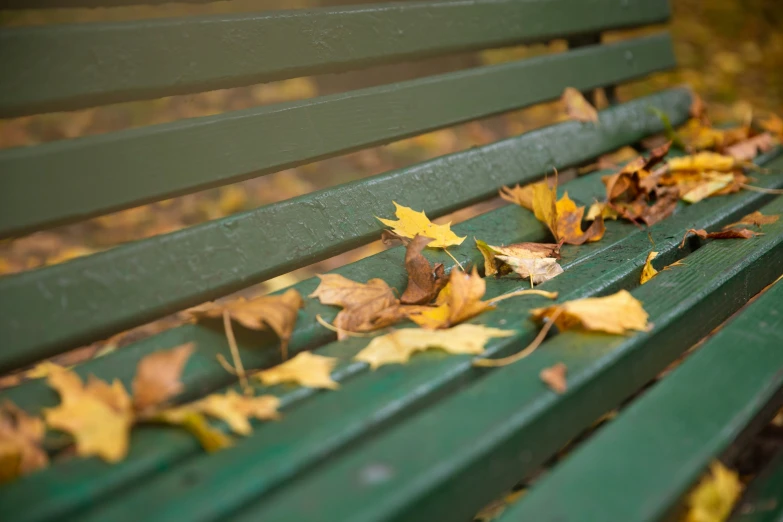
{"x": 100, "y": 416}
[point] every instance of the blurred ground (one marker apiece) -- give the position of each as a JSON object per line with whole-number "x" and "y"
{"x": 730, "y": 51}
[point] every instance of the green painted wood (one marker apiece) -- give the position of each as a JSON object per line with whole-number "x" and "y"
{"x": 762, "y": 500}
{"x": 661, "y": 445}
{"x": 93, "y": 297}
{"x": 67, "y": 67}
{"x": 450, "y": 460}
{"x": 331, "y": 422}
{"x": 45, "y": 185}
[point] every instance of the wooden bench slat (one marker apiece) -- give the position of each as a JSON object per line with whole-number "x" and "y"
{"x": 93, "y": 297}
{"x": 446, "y": 463}
{"x": 323, "y": 430}
{"x": 673, "y": 432}
{"x": 67, "y": 67}
{"x": 44, "y": 185}
{"x": 761, "y": 502}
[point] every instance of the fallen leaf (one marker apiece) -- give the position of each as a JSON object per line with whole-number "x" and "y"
{"x": 522, "y": 196}
{"x": 366, "y": 307}
{"x": 712, "y": 183}
{"x": 698, "y": 108}
{"x": 411, "y": 223}
{"x": 773, "y": 124}
{"x": 555, "y": 377}
{"x": 98, "y": 417}
{"x": 601, "y": 209}
{"x": 663, "y": 207}
{"x": 563, "y": 217}
{"x": 398, "y": 346}
{"x": 615, "y": 314}
{"x": 715, "y": 496}
{"x": 521, "y": 258}
{"x": 457, "y": 302}
{"x": 21, "y": 436}
{"x": 306, "y": 369}
{"x": 577, "y": 107}
{"x": 211, "y": 439}
{"x": 569, "y": 223}
{"x": 755, "y": 218}
{"x": 157, "y": 376}
{"x": 388, "y": 238}
{"x": 232, "y": 408}
{"x": 703, "y": 161}
{"x": 648, "y": 272}
{"x": 276, "y": 311}
{"x": 732, "y": 233}
{"x": 424, "y": 280}
{"x": 41, "y": 370}
{"x": 673, "y": 265}
{"x": 750, "y": 148}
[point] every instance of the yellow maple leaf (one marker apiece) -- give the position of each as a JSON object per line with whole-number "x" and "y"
{"x": 522, "y": 196}
{"x": 577, "y": 107}
{"x": 616, "y": 314}
{"x": 157, "y": 376}
{"x": 411, "y": 223}
{"x": 279, "y": 312}
{"x": 41, "y": 370}
{"x": 710, "y": 184}
{"x": 366, "y": 306}
{"x": 21, "y": 436}
{"x": 230, "y": 407}
{"x": 211, "y": 438}
{"x": 563, "y": 217}
{"x": 307, "y": 369}
{"x": 98, "y": 416}
{"x": 703, "y": 161}
{"x": 715, "y": 496}
{"x": 459, "y": 300}
{"x": 398, "y": 346}
{"x": 648, "y": 272}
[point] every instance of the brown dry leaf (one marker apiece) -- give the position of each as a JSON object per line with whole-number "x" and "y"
{"x": 366, "y": 307}
{"x": 157, "y": 376}
{"x": 755, "y": 218}
{"x": 21, "y": 437}
{"x": 411, "y": 223}
{"x": 276, "y": 311}
{"x": 774, "y": 124}
{"x": 715, "y": 496}
{"x": 522, "y": 196}
{"x": 698, "y": 108}
{"x": 231, "y": 407}
{"x": 563, "y": 217}
{"x": 750, "y": 148}
{"x": 615, "y": 314}
{"x": 537, "y": 261}
{"x": 648, "y": 272}
{"x": 98, "y": 416}
{"x": 555, "y": 377}
{"x": 424, "y": 280}
{"x": 663, "y": 207}
{"x": 569, "y": 223}
{"x": 306, "y": 369}
{"x": 732, "y": 233}
{"x": 577, "y": 107}
{"x": 457, "y": 302}
{"x": 398, "y": 346}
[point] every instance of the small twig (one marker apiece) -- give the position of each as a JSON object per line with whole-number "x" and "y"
{"x": 232, "y": 344}
{"x": 338, "y": 330}
{"x": 761, "y": 189}
{"x": 454, "y": 258}
{"x": 543, "y": 293}
{"x": 225, "y": 364}
{"x": 505, "y": 361}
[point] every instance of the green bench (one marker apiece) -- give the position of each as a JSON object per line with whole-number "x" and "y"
{"x": 436, "y": 439}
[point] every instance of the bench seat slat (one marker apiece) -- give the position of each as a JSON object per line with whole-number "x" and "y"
{"x": 67, "y": 67}
{"x": 45, "y": 185}
{"x": 446, "y": 463}
{"x": 673, "y": 432}
{"x": 96, "y": 296}
{"x": 761, "y": 501}
{"x": 405, "y": 386}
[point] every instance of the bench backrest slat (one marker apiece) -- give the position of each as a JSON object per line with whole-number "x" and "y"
{"x": 45, "y": 185}
{"x": 90, "y": 297}
{"x": 66, "y": 67}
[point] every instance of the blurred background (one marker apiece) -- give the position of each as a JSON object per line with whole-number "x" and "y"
{"x": 729, "y": 51}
